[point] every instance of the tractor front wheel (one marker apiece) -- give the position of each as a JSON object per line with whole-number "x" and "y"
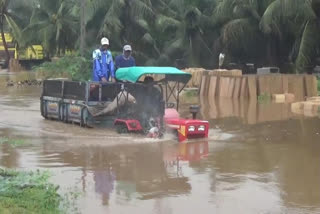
{"x": 121, "y": 129}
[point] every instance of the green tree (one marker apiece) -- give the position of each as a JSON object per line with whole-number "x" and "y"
{"x": 55, "y": 24}
{"x": 241, "y": 35}
{"x": 181, "y": 28}
{"x": 12, "y": 16}
{"x": 126, "y": 22}
{"x": 300, "y": 19}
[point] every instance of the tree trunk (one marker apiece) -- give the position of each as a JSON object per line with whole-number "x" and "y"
{"x": 4, "y": 43}
{"x": 82, "y": 26}
{"x": 271, "y": 52}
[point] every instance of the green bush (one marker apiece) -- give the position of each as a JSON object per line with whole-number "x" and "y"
{"x": 319, "y": 86}
{"x": 28, "y": 192}
{"x": 73, "y": 67}
{"x": 264, "y": 98}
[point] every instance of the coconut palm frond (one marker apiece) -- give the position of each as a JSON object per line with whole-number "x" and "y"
{"x": 147, "y": 38}
{"x": 224, "y": 10}
{"x": 177, "y": 5}
{"x": 174, "y": 46}
{"x": 279, "y": 12}
{"x": 271, "y": 18}
{"x": 309, "y": 45}
{"x": 142, "y": 24}
{"x": 164, "y": 22}
{"x": 238, "y": 30}
{"x": 141, "y": 9}
{"x": 14, "y": 28}
{"x": 111, "y": 23}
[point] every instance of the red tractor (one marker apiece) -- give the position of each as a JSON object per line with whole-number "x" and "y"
{"x": 170, "y": 83}
{"x": 149, "y": 106}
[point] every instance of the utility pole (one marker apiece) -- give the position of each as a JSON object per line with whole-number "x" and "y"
{"x": 82, "y": 26}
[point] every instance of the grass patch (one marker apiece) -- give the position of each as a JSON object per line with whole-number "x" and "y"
{"x": 12, "y": 142}
{"x": 28, "y": 192}
{"x": 189, "y": 96}
{"x": 191, "y": 93}
{"x": 264, "y": 98}
{"x": 319, "y": 86}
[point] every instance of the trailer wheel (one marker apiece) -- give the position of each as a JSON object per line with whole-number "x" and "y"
{"x": 65, "y": 117}
{"x": 45, "y": 111}
{"x": 84, "y": 117}
{"x": 42, "y": 108}
{"x": 61, "y": 112}
{"x": 121, "y": 129}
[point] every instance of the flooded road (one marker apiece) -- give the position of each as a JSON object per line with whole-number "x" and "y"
{"x": 261, "y": 162}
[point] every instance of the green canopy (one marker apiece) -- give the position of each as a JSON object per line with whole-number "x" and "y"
{"x": 133, "y": 74}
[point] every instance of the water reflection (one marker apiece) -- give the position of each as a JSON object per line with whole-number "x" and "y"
{"x": 104, "y": 183}
{"x": 151, "y": 170}
{"x": 249, "y": 111}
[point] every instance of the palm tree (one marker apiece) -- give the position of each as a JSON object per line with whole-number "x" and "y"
{"x": 55, "y": 25}
{"x": 11, "y": 21}
{"x": 300, "y": 19}
{"x": 182, "y": 29}
{"x": 128, "y": 21}
{"x": 241, "y": 35}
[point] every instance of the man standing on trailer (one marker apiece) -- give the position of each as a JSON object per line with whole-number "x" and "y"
{"x": 103, "y": 67}
{"x": 125, "y": 60}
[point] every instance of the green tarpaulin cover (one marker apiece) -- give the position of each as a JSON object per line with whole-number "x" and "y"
{"x": 133, "y": 74}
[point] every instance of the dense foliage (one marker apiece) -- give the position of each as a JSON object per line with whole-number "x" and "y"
{"x": 189, "y": 33}
{"x": 72, "y": 67}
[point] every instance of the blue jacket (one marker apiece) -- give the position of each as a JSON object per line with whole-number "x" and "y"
{"x": 121, "y": 62}
{"x": 102, "y": 65}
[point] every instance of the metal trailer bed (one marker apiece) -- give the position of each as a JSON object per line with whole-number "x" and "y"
{"x": 68, "y": 101}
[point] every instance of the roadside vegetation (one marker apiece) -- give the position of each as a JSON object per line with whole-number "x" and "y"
{"x": 27, "y": 192}
{"x": 182, "y": 33}
{"x": 319, "y": 86}
{"x": 31, "y": 191}
{"x": 264, "y": 98}
{"x": 12, "y": 142}
{"x": 76, "y": 68}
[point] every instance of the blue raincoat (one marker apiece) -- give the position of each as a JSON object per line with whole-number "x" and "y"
{"x": 102, "y": 65}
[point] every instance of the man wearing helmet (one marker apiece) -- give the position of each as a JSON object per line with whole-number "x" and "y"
{"x": 103, "y": 67}
{"x": 125, "y": 60}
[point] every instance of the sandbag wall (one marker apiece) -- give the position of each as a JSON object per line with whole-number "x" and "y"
{"x": 252, "y": 86}
{"x": 198, "y": 73}
{"x": 249, "y": 111}
{"x": 310, "y": 107}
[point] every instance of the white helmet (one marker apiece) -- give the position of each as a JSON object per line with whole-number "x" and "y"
{"x": 104, "y": 41}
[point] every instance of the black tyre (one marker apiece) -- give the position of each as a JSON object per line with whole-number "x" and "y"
{"x": 121, "y": 129}
{"x": 84, "y": 117}
{"x": 65, "y": 117}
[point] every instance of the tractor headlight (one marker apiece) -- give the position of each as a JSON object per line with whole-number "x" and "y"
{"x": 201, "y": 128}
{"x": 191, "y": 128}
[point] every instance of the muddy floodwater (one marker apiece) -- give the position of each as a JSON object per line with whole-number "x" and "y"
{"x": 259, "y": 158}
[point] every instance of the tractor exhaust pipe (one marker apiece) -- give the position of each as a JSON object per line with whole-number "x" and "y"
{"x": 194, "y": 109}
